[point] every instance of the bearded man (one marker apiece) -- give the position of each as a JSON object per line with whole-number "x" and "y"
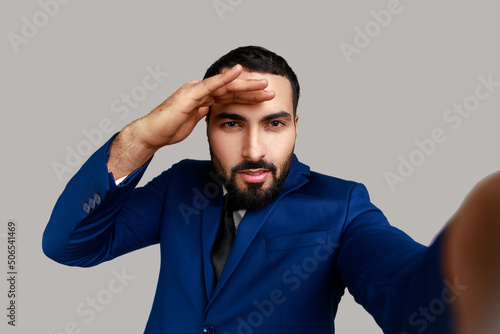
{"x": 253, "y": 241}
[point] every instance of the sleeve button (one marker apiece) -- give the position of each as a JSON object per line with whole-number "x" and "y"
{"x": 86, "y": 208}
{"x": 97, "y": 199}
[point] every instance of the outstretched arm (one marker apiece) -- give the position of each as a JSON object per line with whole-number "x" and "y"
{"x": 472, "y": 255}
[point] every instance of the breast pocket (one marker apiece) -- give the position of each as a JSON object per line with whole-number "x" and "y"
{"x": 294, "y": 241}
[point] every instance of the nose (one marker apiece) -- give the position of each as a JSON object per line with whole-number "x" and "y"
{"x": 254, "y": 148}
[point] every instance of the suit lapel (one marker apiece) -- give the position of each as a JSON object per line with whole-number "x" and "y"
{"x": 251, "y": 224}
{"x": 210, "y": 219}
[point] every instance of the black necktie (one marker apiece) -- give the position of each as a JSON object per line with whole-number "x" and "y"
{"x": 223, "y": 242}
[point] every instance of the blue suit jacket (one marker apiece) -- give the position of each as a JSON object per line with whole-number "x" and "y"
{"x": 289, "y": 265}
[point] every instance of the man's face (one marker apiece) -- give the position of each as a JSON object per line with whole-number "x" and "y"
{"x": 252, "y": 145}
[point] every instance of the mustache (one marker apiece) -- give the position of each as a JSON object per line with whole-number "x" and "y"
{"x": 254, "y": 165}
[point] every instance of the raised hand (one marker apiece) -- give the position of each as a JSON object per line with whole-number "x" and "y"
{"x": 174, "y": 119}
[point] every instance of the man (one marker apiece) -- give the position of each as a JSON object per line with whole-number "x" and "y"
{"x": 278, "y": 257}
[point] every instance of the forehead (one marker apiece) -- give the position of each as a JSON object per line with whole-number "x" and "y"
{"x": 282, "y": 101}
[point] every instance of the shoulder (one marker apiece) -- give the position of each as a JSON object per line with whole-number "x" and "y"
{"x": 192, "y": 164}
{"x": 331, "y": 180}
{"x": 318, "y": 185}
{"x": 331, "y": 186}
{"x": 190, "y": 171}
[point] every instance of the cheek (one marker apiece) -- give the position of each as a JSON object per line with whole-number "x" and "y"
{"x": 225, "y": 148}
{"x": 281, "y": 147}
{"x": 216, "y": 140}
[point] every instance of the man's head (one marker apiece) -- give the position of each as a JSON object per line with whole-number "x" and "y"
{"x": 252, "y": 144}
{"x": 258, "y": 59}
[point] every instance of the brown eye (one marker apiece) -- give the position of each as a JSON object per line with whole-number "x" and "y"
{"x": 276, "y": 124}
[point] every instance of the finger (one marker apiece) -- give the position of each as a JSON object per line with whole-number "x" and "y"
{"x": 246, "y": 97}
{"x": 241, "y": 85}
{"x": 209, "y": 85}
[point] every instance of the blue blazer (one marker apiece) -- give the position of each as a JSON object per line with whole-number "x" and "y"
{"x": 290, "y": 263}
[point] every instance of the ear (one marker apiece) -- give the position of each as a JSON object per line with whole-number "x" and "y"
{"x": 296, "y": 121}
{"x": 206, "y": 123}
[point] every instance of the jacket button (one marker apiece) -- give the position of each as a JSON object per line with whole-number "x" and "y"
{"x": 92, "y": 203}
{"x": 86, "y": 207}
{"x": 208, "y": 330}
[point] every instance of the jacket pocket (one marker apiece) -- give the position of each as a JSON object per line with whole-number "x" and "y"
{"x": 293, "y": 241}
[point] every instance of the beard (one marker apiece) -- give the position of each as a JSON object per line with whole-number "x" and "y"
{"x": 252, "y": 195}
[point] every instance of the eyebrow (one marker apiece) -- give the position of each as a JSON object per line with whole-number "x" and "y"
{"x": 234, "y": 117}
{"x": 280, "y": 114}
{"x": 238, "y": 117}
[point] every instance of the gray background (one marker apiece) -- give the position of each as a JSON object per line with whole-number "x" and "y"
{"x": 356, "y": 118}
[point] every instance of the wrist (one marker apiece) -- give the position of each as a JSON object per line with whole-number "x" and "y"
{"x": 128, "y": 152}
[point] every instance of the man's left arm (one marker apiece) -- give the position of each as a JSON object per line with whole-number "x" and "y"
{"x": 397, "y": 280}
{"x": 453, "y": 286}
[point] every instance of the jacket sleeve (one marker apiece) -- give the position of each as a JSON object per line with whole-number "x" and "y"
{"x": 95, "y": 221}
{"x": 397, "y": 280}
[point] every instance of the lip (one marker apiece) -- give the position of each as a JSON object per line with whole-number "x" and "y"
{"x": 254, "y": 175}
